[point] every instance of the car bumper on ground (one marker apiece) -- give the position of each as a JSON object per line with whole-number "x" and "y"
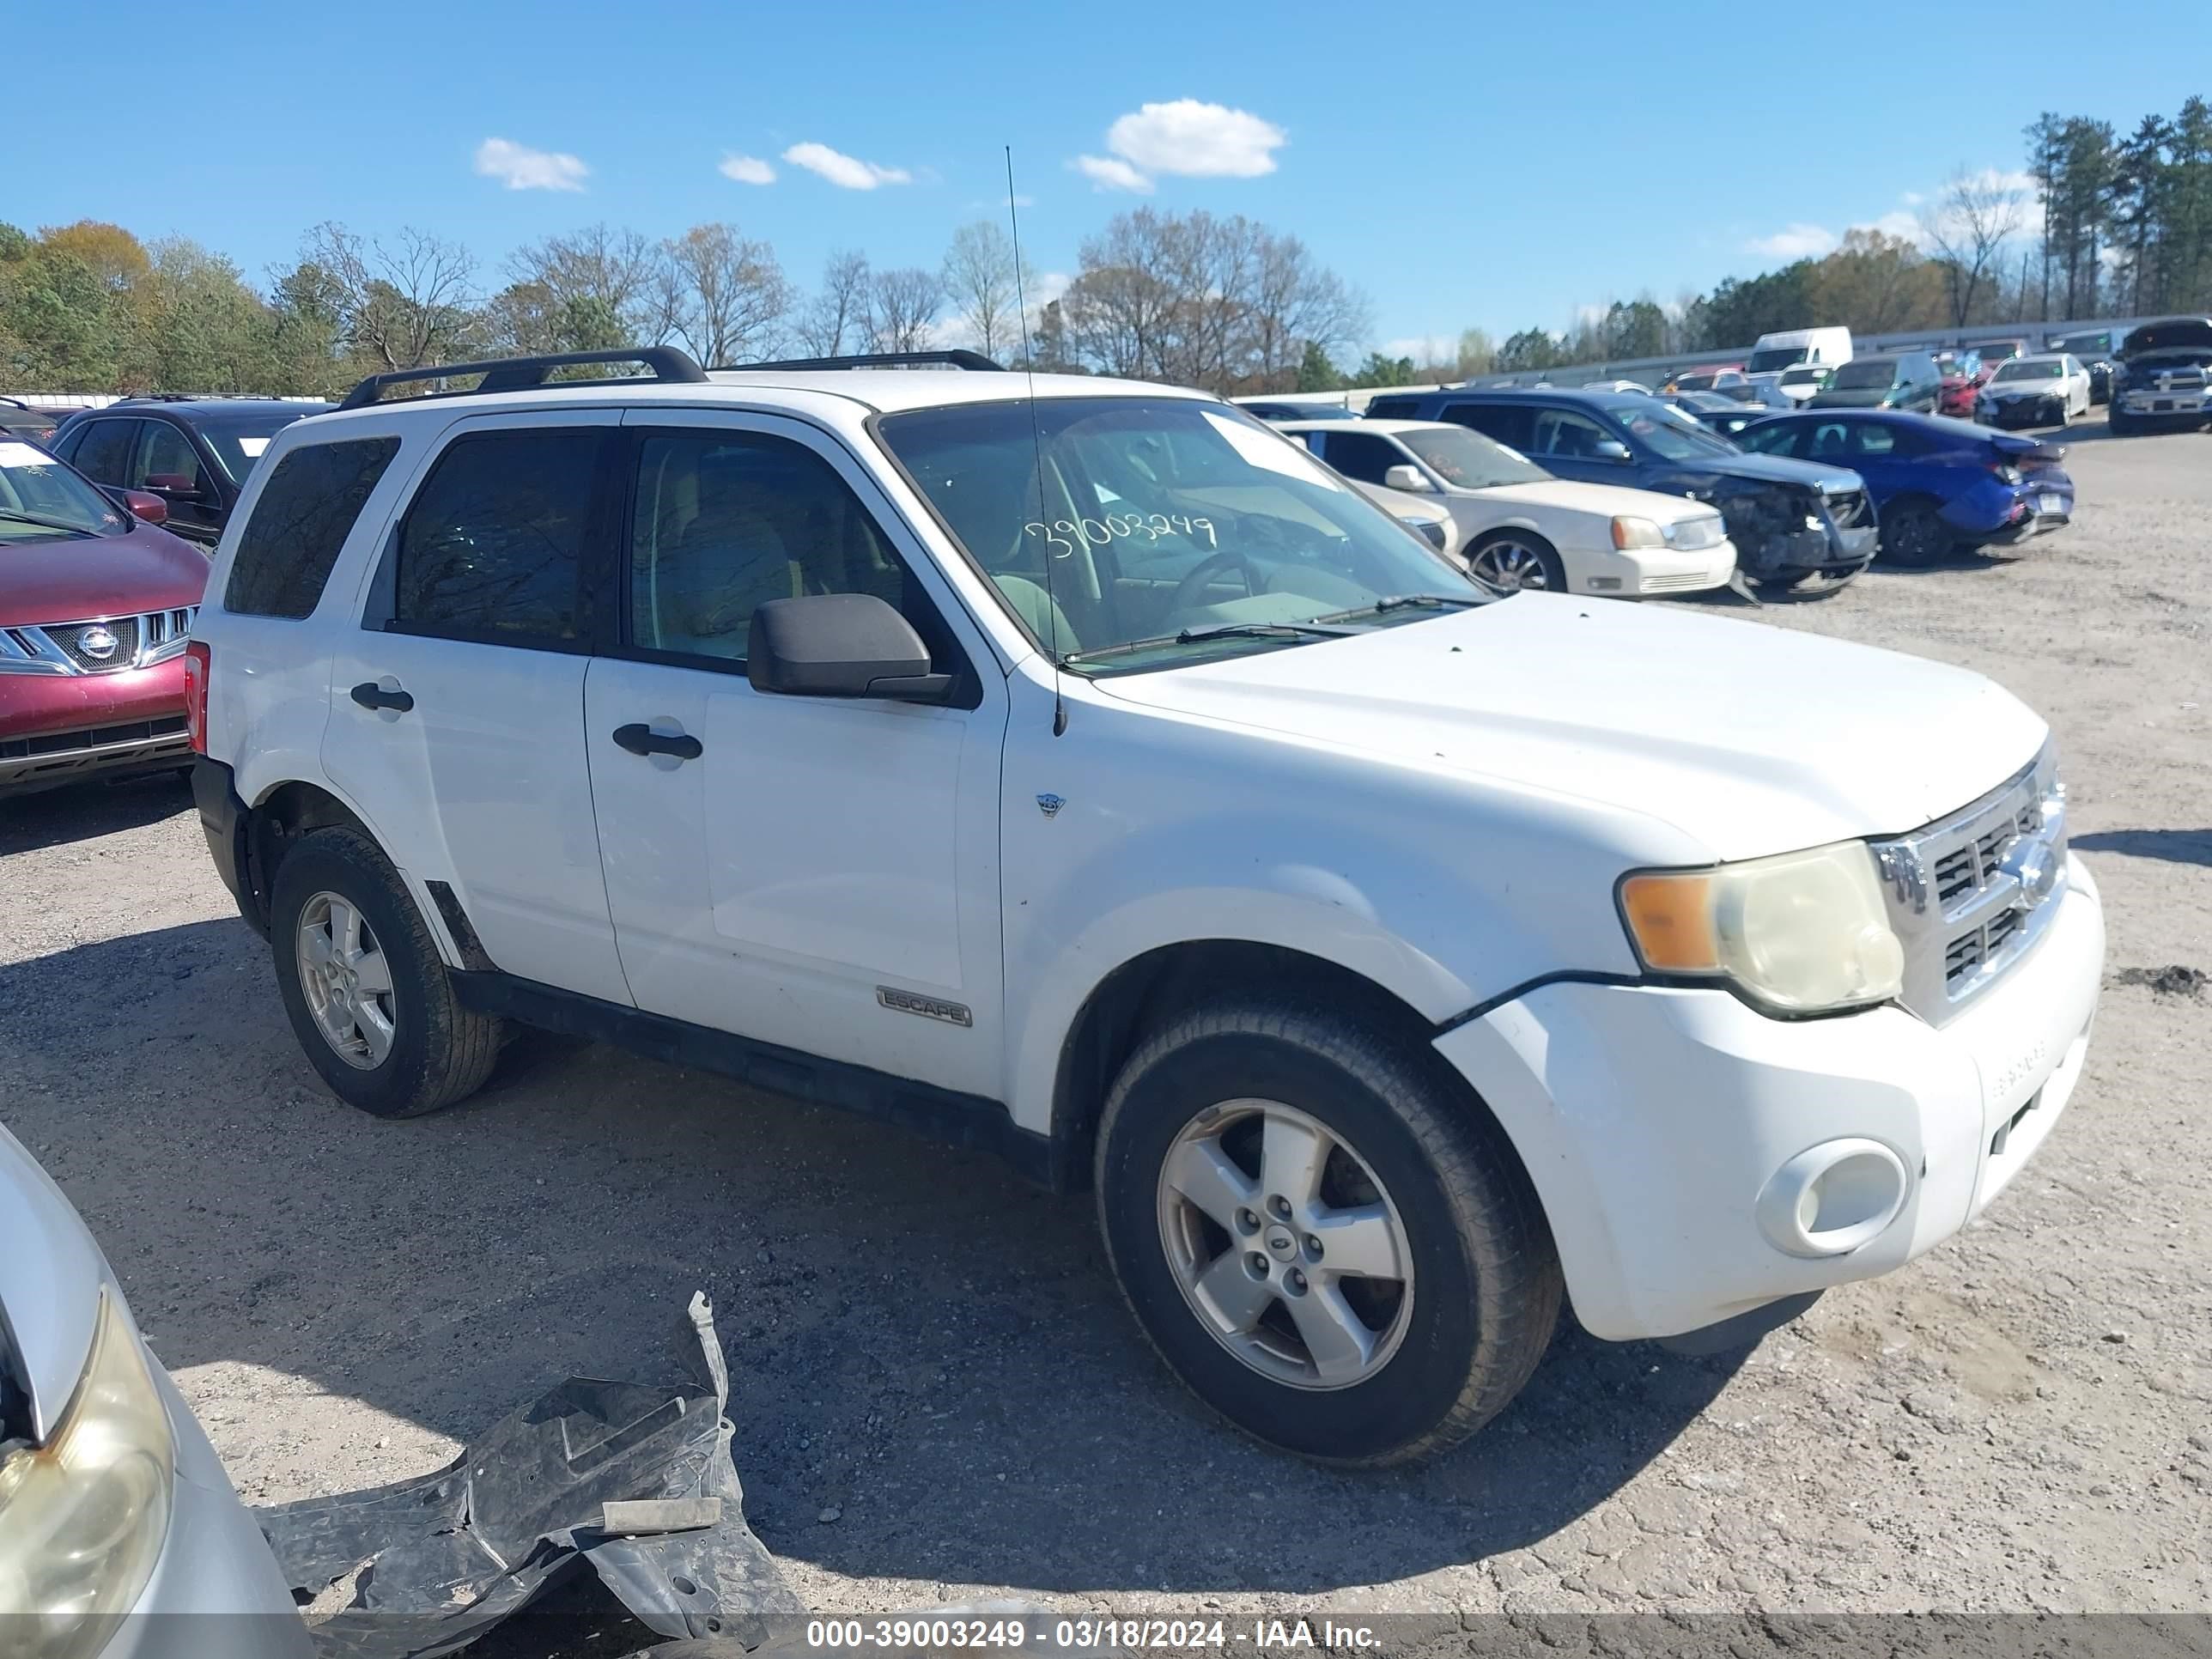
{"x": 1679, "y": 1140}
{"x": 58, "y": 728}
{"x": 1650, "y": 570}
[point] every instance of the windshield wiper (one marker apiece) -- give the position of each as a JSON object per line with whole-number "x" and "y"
{"x": 1401, "y": 602}
{"x": 1255, "y": 630}
{"x": 14, "y": 517}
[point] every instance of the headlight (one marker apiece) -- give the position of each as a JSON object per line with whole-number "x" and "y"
{"x": 82, "y": 1518}
{"x": 1430, "y": 530}
{"x": 1800, "y": 933}
{"x": 1636, "y": 532}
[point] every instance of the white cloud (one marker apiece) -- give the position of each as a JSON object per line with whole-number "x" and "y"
{"x": 747, "y": 170}
{"x": 1044, "y": 290}
{"x": 520, "y": 167}
{"x": 1107, "y": 174}
{"x": 1797, "y": 241}
{"x": 1199, "y": 141}
{"x": 1913, "y": 198}
{"x": 846, "y": 172}
{"x": 1897, "y": 223}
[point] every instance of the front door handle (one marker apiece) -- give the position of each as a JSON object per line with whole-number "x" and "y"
{"x": 370, "y": 695}
{"x": 640, "y": 740}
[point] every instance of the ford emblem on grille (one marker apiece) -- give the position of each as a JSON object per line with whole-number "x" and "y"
{"x": 98, "y": 643}
{"x": 2035, "y": 866}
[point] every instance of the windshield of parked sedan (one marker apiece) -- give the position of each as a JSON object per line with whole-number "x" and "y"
{"x": 1862, "y": 373}
{"x": 1669, "y": 431}
{"x": 1470, "y": 460}
{"x": 1132, "y": 532}
{"x": 2095, "y": 344}
{"x": 1776, "y": 357}
{"x": 1807, "y": 376}
{"x": 1998, "y": 350}
{"x": 41, "y": 499}
{"x": 2020, "y": 369}
{"x": 238, "y": 443}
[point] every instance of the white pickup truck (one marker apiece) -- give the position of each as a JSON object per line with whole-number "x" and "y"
{"x": 1075, "y": 768}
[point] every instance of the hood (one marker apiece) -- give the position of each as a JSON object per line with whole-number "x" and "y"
{"x": 76, "y": 576}
{"x": 1851, "y": 397}
{"x": 1746, "y": 738}
{"x": 50, "y": 1273}
{"x": 2185, "y": 334}
{"x": 1607, "y": 499}
{"x": 2008, "y": 391}
{"x": 1780, "y": 469}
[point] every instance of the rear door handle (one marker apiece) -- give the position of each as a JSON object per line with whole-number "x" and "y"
{"x": 370, "y": 695}
{"x": 641, "y": 739}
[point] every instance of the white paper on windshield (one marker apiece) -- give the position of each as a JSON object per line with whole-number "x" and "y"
{"x": 1266, "y": 449}
{"x": 16, "y": 453}
{"x": 252, "y": 447}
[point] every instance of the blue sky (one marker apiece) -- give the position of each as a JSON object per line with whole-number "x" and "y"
{"x": 1462, "y": 164}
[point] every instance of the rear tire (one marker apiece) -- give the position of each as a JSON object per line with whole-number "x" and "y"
{"x": 368, "y": 995}
{"x": 1913, "y": 536}
{"x": 1457, "y": 1288}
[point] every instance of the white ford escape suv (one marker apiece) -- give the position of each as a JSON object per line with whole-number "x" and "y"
{"x": 1075, "y": 768}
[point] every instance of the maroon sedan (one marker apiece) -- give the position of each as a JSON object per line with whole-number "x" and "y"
{"x": 95, "y": 606}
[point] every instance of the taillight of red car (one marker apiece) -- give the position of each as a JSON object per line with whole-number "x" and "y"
{"x": 198, "y": 662}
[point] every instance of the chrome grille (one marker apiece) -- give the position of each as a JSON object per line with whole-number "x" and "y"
{"x": 1956, "y": 895}
{"x": 70, "y": 647}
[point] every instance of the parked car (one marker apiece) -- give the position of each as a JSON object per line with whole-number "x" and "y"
{"x": 1800, "y": 384}
{"x": 20, "y": 420}
{"x": 120, "y": 1532}
{"x": 1793, "y": 525}
{"x": 1811, "y": 347}
{"x": 1963, "y": 377}
{"x": 2161, "y": 382}
{"x": 1938, "y": 483}
{"x": 194, "y": 453}
{"x": 1422, "y": 513}
{"x": 1293, "y": 408}
{"x": 1993, "y": 352}
{"x": 1636, "y": 387}
{"x": 1522, "y": 527}
{"x": 95, "y": 604}
{"x": 2099, "y": 349}
{"x": 1076, "y": 769}
{"x": 1709, "y": 379}
{"x": 1907, "y": 380}
{"x": 1704, "y": 407}
{"x": 2042, "y": 389}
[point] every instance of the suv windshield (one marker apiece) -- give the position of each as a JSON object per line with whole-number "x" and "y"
{"x": 1470, "y": 460}
{"x": 1774, "y": 357}
{"x": 1996, "y": 351}
{"x": 2021, "y": 369}
{"x": 2094, "y": 345}
{"x": 1135, "y": 532}
{"x": 1862, "y": 373}
{"x": 41, "y": 499}
{"x": 238, "y": 442}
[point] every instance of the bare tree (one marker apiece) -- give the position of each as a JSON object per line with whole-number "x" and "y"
{"x": 609, "y": 273}
{"x": 978, "y": 280}
{"x": 723, "y": 295}
{"x": 903, "y": 306}
{"x": 1968, "y": 226}
{"x": 406, "y": 302}
{"x": 836, "y": 319}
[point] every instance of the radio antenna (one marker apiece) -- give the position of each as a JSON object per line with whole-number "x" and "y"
{"x": 1036, "y": 442}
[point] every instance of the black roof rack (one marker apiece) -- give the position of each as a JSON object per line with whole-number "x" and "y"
{"x": 666, "y": 363}
{"x": 950, "y": 359}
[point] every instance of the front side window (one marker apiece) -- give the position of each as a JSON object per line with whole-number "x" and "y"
{"x": 1568, "y": 435}
{"x": 492, "y": 547}
{"x": 725, "y": 521}
{"x": 167, "y": 462}
{"x": 300, "y": 523}
{"x": 1131, "y": 532}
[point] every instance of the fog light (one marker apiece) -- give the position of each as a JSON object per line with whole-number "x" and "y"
{"x": 1604, "y": 584}
{"x": 1830, "y": 1199}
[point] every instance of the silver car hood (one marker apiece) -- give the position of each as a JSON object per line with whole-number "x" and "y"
{"x": 51, "y": 1274}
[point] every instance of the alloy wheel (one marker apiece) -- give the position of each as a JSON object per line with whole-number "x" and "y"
{"x": 1286, "y": 1245}
{"x": 1510, "y": 565}
{"x": 347, "y": 980}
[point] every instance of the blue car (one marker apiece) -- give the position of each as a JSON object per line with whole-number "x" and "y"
{"x": 1806, "y": 527}
{"x": 1937, "y": 484}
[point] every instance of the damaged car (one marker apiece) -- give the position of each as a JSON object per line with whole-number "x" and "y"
{"x": 1796, "y": 525}
{"x": 2163, "y": 381}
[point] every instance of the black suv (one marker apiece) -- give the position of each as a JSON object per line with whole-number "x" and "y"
{"x": 194, "y": 453}
{"x": 1792, "y": 522}
{"x": 2164, "y": 378}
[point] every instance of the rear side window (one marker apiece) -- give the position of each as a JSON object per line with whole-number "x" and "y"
{"x": 492, "y": 547}
{"x": 305, "y": 511}
{"x": 103, "y": 453}
{"x": 1511, "y": 424}
{"x": 1393, "y": 409}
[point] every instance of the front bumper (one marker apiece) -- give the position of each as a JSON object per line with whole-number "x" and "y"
{"x": 2192, "y": 405}
{"x": 1650, "y": 570}
{"x": 58, "y": 728}
{"x": 224, "y": 822}
{"x": 2024, "y": 411}
{"x": 1658, "y": 1125}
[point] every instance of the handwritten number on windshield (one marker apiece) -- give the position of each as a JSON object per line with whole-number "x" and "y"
{"x": 1097, "y": 532}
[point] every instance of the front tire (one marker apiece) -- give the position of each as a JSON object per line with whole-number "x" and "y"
{"x": 1512, "y": 561}
{"x": 366, "y": 992}
{"x": 1331, "y": 1246}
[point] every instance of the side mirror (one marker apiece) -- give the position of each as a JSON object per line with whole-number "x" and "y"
{"x": 1611, "y": 449}
{"x": 146, "y": 505}
{"x": 840, "y": 645}
{"x": 1407, "y": 476}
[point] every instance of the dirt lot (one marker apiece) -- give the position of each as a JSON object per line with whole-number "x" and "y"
{"x": 937, "y": 1393}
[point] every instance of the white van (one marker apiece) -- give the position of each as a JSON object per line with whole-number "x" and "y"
{"x": 1821, "y": 348}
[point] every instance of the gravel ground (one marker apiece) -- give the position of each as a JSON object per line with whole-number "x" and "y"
{"x": 937, "y": 1393}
